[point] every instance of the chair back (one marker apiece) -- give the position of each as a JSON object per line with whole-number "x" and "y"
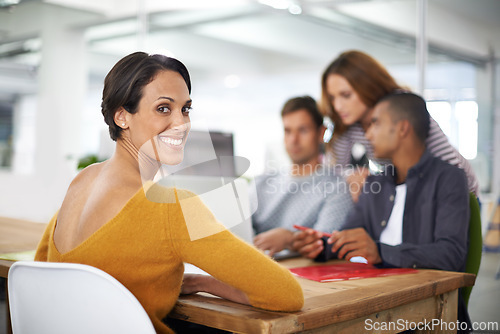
{"x": 62, "y": 298}
{"x": 474, "y": 252}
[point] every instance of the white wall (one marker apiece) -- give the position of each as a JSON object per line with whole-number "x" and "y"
{"x": 64, "y": 123}
{"x": 35, "y": 186}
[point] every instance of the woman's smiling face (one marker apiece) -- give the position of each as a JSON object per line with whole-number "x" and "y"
{"x": 161, "y": 125}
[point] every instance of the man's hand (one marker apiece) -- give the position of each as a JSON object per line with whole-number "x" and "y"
{"x": 308, "y": 243}
{"x": 274, "y": 240}
{"x": 355, "y": 242}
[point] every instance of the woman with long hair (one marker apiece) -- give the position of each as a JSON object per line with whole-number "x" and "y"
{"x": 351, "y": 86}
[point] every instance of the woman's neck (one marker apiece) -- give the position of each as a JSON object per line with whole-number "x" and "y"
{"x": 134, "y": 162}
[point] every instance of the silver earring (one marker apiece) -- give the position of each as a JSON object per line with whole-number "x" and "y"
{"x": 123, "y": 124}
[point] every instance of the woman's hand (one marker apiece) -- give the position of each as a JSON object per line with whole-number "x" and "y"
{"x": 193, "y": 283}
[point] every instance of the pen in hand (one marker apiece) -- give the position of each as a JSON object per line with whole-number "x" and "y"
{"x": 303, "y": 228}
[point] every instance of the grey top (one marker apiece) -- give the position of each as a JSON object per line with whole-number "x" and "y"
{"x": 320, "y": 201}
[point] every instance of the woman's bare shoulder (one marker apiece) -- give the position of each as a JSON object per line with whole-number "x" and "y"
{"x": 105, "y": 178}
{"x": 87, "y": 175}
{"x": 95, "y": 196}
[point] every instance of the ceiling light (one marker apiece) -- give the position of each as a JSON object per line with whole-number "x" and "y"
{"x": 8, "y": 3}
{"x": 295, "y": 9}
{"x": 292, "y": 7}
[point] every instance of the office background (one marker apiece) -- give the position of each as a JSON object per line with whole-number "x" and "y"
{"x": 246, "y": 57}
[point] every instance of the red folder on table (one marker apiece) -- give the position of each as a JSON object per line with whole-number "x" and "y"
{"x": 346, "y": 271}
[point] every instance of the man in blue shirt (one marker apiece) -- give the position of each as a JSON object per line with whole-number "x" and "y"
{"x": 416, "y": 214}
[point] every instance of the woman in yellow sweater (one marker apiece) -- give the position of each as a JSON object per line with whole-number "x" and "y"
{"x": 135, "y": 230}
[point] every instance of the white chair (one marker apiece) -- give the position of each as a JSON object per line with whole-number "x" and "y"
{"x": 62, "y": 298}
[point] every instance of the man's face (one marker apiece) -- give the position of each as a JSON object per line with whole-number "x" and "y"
{"x": 302, "y": 137}
{"x": 383, "y": 132}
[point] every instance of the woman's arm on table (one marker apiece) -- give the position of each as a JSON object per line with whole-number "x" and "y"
{"x": 193, "y": 283}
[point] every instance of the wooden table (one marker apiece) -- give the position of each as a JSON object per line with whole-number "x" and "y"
{"x": 17, "y": 236}
{"x": 334, "y": 307}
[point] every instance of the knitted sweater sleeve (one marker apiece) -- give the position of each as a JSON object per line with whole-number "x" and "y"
{"x": 202, "y": 241}
{"x": 42, "y": 251}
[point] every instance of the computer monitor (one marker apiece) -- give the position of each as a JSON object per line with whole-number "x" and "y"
{"x": 208, "y": 156}
{"x": 207, "y": 153}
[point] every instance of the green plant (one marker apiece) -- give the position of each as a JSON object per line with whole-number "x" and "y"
{"x": 87, "y": 161}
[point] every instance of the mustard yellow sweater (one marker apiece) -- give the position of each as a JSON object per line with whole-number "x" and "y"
{"x": 145, "y": 244}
